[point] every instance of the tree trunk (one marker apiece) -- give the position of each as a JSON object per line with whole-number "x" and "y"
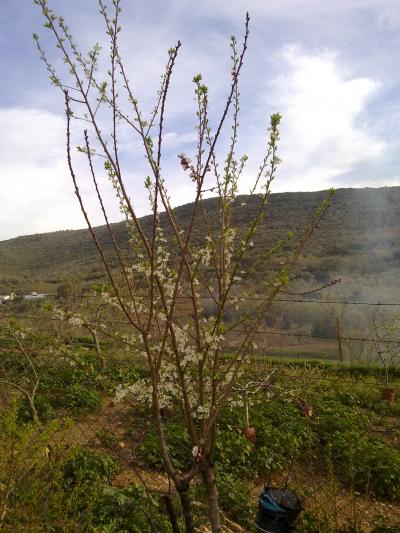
{"x": 98, "y": 349}
{"x": 385, "y": 368}
{"x": 181, "y": 485}
{"x": 171, "y": 513}
{"x": 339, "y": 339}
{"x": 183, "y": 491}
{"x": 34, "y": 413}
{"x": 212, "y": 494}
{"x": 3, "y": 512}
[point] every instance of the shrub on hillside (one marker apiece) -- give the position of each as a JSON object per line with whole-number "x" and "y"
{"x": 88, "y": 466}
{"x": 80, "y": 397}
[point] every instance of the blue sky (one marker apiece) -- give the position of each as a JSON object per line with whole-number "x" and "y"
{"x": 330, "y": 68}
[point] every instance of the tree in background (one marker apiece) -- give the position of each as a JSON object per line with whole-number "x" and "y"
{"x": 22, "y": 364}
{"x": 80, "y": 311}
{"x": 160, "y": 292}
{"x": 384, "y": 329}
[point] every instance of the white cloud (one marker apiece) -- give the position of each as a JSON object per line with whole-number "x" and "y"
{"x": 294, "y": 9}
{"x": 36, "y": 193}
{"x": 177, "y": 140}
{"x": 323, "y": 135}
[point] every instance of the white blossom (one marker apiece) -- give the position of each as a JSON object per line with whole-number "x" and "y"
{"x": 195, "y": 451}
{"x": 75, "y": 321}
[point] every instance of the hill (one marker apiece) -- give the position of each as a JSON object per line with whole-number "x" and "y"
{"x": 358, "y": 241}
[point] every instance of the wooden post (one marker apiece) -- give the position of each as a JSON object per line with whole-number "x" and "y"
{"x": 339, "y": 339}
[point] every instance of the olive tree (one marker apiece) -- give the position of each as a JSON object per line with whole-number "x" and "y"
{"x": 173, "y": 265}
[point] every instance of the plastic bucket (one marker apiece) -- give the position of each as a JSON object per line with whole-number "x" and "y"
{"x": 278, "y": 510}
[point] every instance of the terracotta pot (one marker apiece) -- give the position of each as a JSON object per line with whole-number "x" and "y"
{"x": 308, "y": 410}
{"x": 389, "y": 395}
{"x": 250, "y": 434}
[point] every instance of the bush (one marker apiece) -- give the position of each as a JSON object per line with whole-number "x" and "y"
{"x": 128, "y": 510}
{"x": 149, "y": 451}
{"x": 282, "y": 433}
{"x": 178, "y": 443}
{"x": 309, "y": 523}
{"x": 336, "y": 417}
{"x": 43, "y": 406}
{"x": 88, "y": 466}
{"x": 233, "y": 454}
{"x": 235, "y": 498}
{"x": 368, "y": 463}
{"x": 79, "y": 397}
{"x": 121, "y": 373}
{"x": 363, "y": 461}
{"x": 107, "y": 438}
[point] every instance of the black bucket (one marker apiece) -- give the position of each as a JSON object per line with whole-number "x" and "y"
{"x": 278, "y": 510}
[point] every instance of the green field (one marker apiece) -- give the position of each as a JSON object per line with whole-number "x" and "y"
{"x": 85, "y": 464}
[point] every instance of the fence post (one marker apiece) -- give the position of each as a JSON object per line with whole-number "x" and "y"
{"x": 339, "y": 339}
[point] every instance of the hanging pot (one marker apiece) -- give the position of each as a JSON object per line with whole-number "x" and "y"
{"x": 278, "y": 510}
{"x": 250, "y": 434}
{"x": 389, "y": 395}
{"x": 308, "y": 410}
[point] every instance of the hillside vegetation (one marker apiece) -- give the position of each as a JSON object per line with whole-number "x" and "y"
{"x": 359, "y": 241}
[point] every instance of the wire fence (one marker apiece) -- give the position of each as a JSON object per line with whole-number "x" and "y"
{"x": 278, "y": 299}
{"x": 265, "y": 332}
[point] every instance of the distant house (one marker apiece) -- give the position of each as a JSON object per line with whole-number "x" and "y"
{"x": 35, "y": 296}
{"x": 4, "y": 298}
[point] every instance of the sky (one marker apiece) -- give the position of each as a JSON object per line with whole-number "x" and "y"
{"x": 331, "y": 69}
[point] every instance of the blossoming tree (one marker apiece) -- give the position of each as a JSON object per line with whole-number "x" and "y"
{"x": 183, "y": 351}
